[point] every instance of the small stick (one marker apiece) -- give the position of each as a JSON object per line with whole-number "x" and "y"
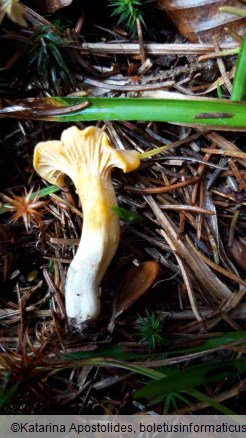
{"x": 141, "y": 42}
{"x": 222, "y": 68}
{"x": 150, "y": 190}
{"x": 237, "y": 174}
{"x": 235, "y": 154}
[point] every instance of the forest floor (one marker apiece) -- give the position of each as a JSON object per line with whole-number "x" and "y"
{"x": 173, "y": 298}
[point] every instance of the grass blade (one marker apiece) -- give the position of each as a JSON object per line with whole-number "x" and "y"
{"x": 210, "y": 402}
{"x": 215, "y": 113}
{"x": 7, "y": 395}
{"x": 192, "y": 377}
{"x": 239, "y": 83}
{"x": 240, "y": 12}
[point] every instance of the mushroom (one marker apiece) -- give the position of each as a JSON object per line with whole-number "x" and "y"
{"x": 87, "y": 157}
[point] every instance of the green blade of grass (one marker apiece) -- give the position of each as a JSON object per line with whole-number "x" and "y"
{"x": 45, "y": 192}
{"x": 240, "y": 12}
{"x": 127, "y": 215}
{"x": 157, "y": 376}
{"x": 239, "y": 82}
{"x": 210, "y": 402}
{"x": 221, "y": 340}
{"x": 116, "y": 351}
{"x": 193, "y": 377}
{"x": 114, "y": 363}
{"x": 215, "y": 113}
{"x": 110, "y": 351}
{"x": 7, "y": 395}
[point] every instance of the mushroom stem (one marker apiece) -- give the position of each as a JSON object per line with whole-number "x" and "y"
{"x": 98, "y": 244}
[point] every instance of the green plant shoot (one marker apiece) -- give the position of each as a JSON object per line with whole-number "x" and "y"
{"x": 129, "y": 11}
{"x": 239, "y": 83}
{"x": 127, "y": 215}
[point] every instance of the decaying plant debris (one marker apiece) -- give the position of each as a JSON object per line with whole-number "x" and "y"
{"x": 184, "y": 209}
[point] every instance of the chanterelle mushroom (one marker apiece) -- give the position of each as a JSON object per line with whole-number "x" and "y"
{"x": 88, "y": 159}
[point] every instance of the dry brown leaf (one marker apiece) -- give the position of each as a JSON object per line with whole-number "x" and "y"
{"x": 201, "y": 21}
{"x": 237, "y": 252}
{"x": 50, "y": 6}
{"x": 135, "y": 283}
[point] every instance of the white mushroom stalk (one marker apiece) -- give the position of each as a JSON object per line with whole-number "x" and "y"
{"x": 88, "y": 159}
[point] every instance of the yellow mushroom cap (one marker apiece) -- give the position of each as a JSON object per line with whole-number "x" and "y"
{"x": 80, "y": 153}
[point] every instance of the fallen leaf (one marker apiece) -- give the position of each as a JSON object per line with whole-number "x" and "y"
{"x": 50, "y": 6}
{"x": 135, "y": 283}
{"x": 201, "y": 21}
